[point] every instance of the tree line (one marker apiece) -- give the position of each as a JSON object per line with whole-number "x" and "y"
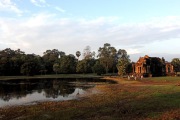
{"x": 16, "y": 62}
{"x": 107, "y": 60}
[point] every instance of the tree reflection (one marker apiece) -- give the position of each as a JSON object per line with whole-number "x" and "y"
{"x": 58, "y": 88}
{"x": 51, "y": 88}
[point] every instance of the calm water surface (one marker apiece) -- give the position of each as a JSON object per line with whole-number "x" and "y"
{"x": 24, "y": 92}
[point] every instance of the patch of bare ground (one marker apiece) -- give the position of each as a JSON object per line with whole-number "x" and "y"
{"x": 171, "y": 115}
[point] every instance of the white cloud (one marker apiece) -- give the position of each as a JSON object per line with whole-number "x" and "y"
{"x": 43, "y": 31}
{"x": 60, "y": 9}
{"x": 39, "y": 3}
{"x": 8, "y": 5}
{"x": 38, "y": 20}
{"x": 131, "y": 51}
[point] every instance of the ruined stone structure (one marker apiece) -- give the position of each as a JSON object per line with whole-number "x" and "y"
{"x": 152, "y": 66}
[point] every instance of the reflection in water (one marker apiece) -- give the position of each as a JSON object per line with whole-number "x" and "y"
{"x": 17, "y": 92}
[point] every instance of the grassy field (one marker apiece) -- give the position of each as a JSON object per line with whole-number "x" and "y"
{"x": 147, "y": 99}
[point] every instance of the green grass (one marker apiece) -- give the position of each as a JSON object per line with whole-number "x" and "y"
{"x": 163, "y": 79}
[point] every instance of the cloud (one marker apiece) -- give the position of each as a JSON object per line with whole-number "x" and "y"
{"x": 39, "y": 3}
{"x": 45, "y": 31}
{"x": 168, "y": 57}
{"x": 8, "y": 5}
{"x": 38, "y": 20}
{"x": 131, "y": 51}
{"x": 43, "y": 3}
{"x": 60, "y": 9}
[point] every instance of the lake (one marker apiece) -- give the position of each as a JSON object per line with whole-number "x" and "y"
{"x": 31, "y": 91}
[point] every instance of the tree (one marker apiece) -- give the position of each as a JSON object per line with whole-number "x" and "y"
{"x": 50, "y": 57}
{"x": 28, "y": 68}
{"x": 56, "y": 68}
{"x": 81, "y": 66}
{"x": 87, "y": 54}
{"x": 129, "y": 68}
{"x": 123, "y": 62}
{"x": 31, "y": 65}
{"x": 176, "y": 63}
{"x": 11, "y": 61}
{"x": 98, "y": 68}
{"x": 68, "y": 64}
{"x": 85, "y": 66}
{"x": 78, "y": 54}
{"x": 107, "y": 56}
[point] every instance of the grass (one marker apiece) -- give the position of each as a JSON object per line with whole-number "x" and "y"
{"x": 164, "y": 79}
{"x": 150, "y": 98}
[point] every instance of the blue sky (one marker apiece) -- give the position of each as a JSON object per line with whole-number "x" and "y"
{"x": 140, "y": 26}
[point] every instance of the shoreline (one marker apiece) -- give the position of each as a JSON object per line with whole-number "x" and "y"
{"x": 53, "y": 76}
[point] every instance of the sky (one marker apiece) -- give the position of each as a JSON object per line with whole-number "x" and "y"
{"x": 141, "y": 27}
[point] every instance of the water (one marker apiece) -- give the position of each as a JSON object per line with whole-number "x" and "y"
{"x": 22, "y": 92}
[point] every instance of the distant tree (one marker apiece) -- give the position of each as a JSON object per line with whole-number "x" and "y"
{"x": 87, "y": 54}
{"x": 106, "y": 56}
{"x": 81, "y": 66}
{"x": 42, "y": 70}
{"x": 85, "y": 66}
{"x": 176, "y": 63}
{"x": 123, "y": 62}
{"x": 31, "y": 65}
{"x": 4, "y": 66}
{"x": 121, "y": 66}
{"x": 129, "y": 68}
{"x": 61, "y": 54}
{"x": 28, "y": 68}
{"x": 11, "y": 61}
{"x": 56, "y": 68}
{"x": 78, "y": 54}
{"x": 50, "y": 57}
{"x": 122, "y": 54}
{"x": 68, "y": 64}
{"x": 93, "y": 54}
{"x": 98, "y": 68}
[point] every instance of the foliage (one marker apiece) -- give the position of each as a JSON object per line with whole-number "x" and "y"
{"x": 56, "y": 68}
{"x": 123, "y": 62}
{"x": 50, "y": 57}
{"x": 31, "y": 65}
{"x": 68, "y": 64}
{"x": 87, "y": 54}
{"x": 176, "y": 63}
{"x": 11, "y": 61}
{"x": 16, "y": 62}
{"x": 122, "y": 66}
{"x": 98, "y": 68}
{"x": 28, "y": 68}
{"x": 78, "y": 54}
{"x": 107, "y": 56}
{"x": 85, "y": 66}
{"x": 81, "y": 66}
{"x": 129, "y": 68}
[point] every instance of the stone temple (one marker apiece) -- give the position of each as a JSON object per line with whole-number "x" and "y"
{"x": 152, "y": 66}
